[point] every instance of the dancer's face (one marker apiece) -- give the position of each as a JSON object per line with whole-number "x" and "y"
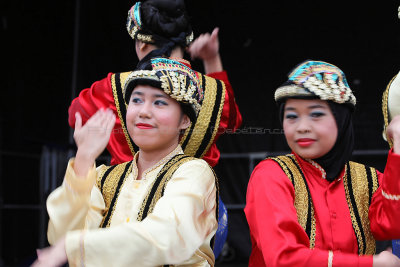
{"x": 154, "y": 120}
{"x": 310, "y": 127}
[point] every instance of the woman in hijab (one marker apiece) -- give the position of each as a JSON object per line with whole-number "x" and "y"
{"x": 314, "y": 207}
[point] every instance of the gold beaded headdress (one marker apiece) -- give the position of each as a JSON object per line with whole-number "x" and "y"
{"x": 174, "y": 78}
{"x": 391, "y": 104}
{"x": 317, "y": 79}
{"x": 135, "y": 26}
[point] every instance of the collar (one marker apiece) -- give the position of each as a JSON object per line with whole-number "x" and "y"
{"x": 176, "y": 151}
{"x": 183, "y": 61}
{"x": 310, "y": 167}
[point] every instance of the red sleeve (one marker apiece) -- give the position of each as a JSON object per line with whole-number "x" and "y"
{"x": 91, "y": 99}
{"x": 277, "y": 237}
{"x": 384, "y": 212}
{"x": 231, "y": 118}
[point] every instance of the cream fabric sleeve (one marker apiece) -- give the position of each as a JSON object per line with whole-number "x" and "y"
{"x": 76, "y": 204}
{"x": 183, "y": 220}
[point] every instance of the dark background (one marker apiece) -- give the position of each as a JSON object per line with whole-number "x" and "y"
{"x": 53, "y": 49}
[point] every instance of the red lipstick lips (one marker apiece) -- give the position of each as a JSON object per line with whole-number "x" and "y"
{"x": 305, "y": 142}
{"x": 144, "y": 126}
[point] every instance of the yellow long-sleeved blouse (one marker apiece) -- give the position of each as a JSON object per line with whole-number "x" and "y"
{"x": 177, "y": 232}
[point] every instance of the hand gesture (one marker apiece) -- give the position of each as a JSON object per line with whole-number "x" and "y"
{"x": 393, "y": 133}
{"x": 52, "y": 256}
{"x": 206, "y": 46}
{"x": 92, "y": 138}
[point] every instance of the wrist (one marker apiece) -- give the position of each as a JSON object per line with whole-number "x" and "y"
{"x": 83, "y": 162}
{"x": 213, "y": 64}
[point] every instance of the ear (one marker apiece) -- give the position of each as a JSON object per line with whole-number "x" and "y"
{"x": 143, "y": 46}
{"x": 185, "y": 122}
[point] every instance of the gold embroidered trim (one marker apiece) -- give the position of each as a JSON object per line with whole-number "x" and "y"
{"x": 385, "y": 111}
{"x": 171, "y": 166}
{"x": 123, "y": 77}
{"x": 216, "y": 123}
{"x": 203, "y": 119}
{"x": 389, "y": 196}
{"x": 330, "y": 258}
{"x": 110, "y": 186}
{"x": 316, "y": 165}
{"x": 295, "y": 174}
{"x": 174, "y": 152}
{"x": 361, "y": 194}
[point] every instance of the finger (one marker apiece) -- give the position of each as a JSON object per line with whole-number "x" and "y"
{"x": 111, "y": 123}
{"x": 214, "y": 34}
{"x": 78, "y": 121}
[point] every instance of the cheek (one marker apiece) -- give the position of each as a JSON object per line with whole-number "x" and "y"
{"x": 329, "y": 130}
{"x": 131, "y": 114}
{"x": 288, "y": 131}
{"x": 166, "y": 119}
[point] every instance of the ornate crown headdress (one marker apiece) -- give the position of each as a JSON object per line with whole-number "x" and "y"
{"x": 317, "y": 78}
{"x": 176, "y": 79}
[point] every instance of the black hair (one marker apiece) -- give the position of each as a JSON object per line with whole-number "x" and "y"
{"x": 168, "y": 23}
{"x": 165, "y": 19}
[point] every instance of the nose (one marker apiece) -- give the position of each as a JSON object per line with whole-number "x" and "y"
{"x": 145, "y": 110}
{"x": 303, "y": 125}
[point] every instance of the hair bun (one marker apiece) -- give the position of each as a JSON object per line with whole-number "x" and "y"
{"x": 166, "y": 18}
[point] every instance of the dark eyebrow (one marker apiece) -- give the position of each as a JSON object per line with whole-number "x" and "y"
{"x": 154, "y": 96}
{"x": 317, "y": 106}
{"x": 289, "y": 108}
{"x": 159, "y": 95}
{"x": 309, "y": 107}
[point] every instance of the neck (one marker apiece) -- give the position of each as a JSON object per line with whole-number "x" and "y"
{"x": 177, "y": 52}
{"x": 148, "y": 158}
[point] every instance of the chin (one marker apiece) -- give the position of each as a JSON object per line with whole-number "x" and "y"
{"x": 144, "y": 143}
{"x": 306, "y": 154}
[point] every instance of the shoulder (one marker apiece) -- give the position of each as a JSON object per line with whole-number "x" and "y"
{"x": 268, "y": 173}
{"x": 194, "y": 165}
{"x": 268, "y": 167}
{"x": 195, "y": 169}
{"x": 113, "y": 171}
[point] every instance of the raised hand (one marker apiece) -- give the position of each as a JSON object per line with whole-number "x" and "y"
{"x": 206, "y": 48}
{"x": 92, "y": 138}
{"x": 393, "y": 133}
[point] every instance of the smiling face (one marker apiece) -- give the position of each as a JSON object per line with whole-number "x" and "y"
{"x": 154, "y": 120}
{"x": 310, "y": 127}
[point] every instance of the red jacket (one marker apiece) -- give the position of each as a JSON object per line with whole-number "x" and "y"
{"x": 279, "y": 240}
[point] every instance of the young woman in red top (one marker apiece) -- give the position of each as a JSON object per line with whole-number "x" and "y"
{"x": 314, "y": 207}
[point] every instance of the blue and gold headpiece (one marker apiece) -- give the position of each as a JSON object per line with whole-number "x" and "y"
{"x": 317, "y": 79}
{"x": 135, "y": 26}
{"x": 176, "y": 79}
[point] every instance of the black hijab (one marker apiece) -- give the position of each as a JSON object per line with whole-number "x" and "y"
{"x": 334, "y": 161}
